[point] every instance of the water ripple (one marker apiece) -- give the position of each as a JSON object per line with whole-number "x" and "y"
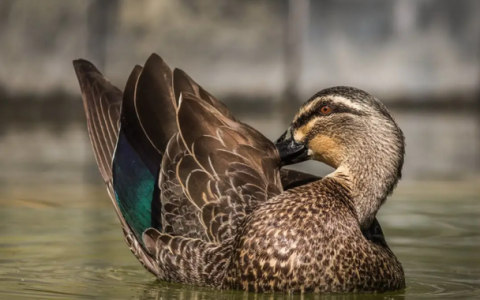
{"x": 64, "y": 253}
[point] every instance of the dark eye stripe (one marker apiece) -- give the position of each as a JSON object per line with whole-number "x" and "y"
{"x": 315, "y": 112}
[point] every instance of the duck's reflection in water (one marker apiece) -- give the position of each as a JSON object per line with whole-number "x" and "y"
{"x": 160, "y": 291}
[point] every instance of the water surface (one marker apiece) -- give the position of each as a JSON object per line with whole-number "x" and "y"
{"x": 72, "y": 248}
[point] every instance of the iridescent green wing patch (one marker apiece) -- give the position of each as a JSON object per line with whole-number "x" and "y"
{"x": 135, "y": 187}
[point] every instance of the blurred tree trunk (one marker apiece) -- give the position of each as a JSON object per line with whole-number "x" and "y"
{"x": 101, "y": 19}
{"x": 296, "y": 37}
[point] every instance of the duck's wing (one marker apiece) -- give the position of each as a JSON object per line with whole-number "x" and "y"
{"x": 186, "y": 213}
{"x": 184, "y": 83}
{"x": 215, "y": 171}
{"x": 102, "y": 102}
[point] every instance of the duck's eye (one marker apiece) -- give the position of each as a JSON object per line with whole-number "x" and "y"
{"x": 325, "y": 110}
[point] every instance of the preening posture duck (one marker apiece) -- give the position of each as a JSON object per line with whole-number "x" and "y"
{"x": 202, "y": 198}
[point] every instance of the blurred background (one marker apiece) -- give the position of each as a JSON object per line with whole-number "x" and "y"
{"x": 263, "y": 59}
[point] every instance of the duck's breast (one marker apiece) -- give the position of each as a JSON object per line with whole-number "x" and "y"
{"x": 300, "y": 244}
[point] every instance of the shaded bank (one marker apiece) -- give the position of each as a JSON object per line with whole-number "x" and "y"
{"x": 59, "y": 107}
{"x": 44, "y": 138}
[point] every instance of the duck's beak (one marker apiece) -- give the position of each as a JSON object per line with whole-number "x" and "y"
{"x": 291, "y": 152}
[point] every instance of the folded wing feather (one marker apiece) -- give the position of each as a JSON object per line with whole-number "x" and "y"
{"x": 218, "y": 169}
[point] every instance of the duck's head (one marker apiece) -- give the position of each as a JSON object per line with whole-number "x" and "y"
{"x": 354, "y": 133}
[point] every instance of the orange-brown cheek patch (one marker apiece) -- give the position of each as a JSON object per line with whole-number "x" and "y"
{"x": 326, "y": 149}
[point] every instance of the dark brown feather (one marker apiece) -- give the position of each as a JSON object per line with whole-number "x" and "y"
{"x": 180, "y": 215}
{"x": 102, "y": 102}
{"x": 154, "y": 105}
{"x": 182, "y": 83}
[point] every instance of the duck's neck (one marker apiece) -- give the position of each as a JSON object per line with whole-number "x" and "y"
{"x": 369, "y": 185}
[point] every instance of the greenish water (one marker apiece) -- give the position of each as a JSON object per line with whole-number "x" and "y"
{"x": 71, "y": 251}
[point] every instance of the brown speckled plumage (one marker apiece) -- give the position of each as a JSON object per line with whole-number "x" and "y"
{"x": 308, "y": 240}
{"x": 231, "y": 219}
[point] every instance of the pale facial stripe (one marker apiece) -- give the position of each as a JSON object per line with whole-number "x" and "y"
{"x": 348, "y": 103}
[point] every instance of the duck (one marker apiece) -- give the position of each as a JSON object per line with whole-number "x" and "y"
{"x": 203, "y": 199}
